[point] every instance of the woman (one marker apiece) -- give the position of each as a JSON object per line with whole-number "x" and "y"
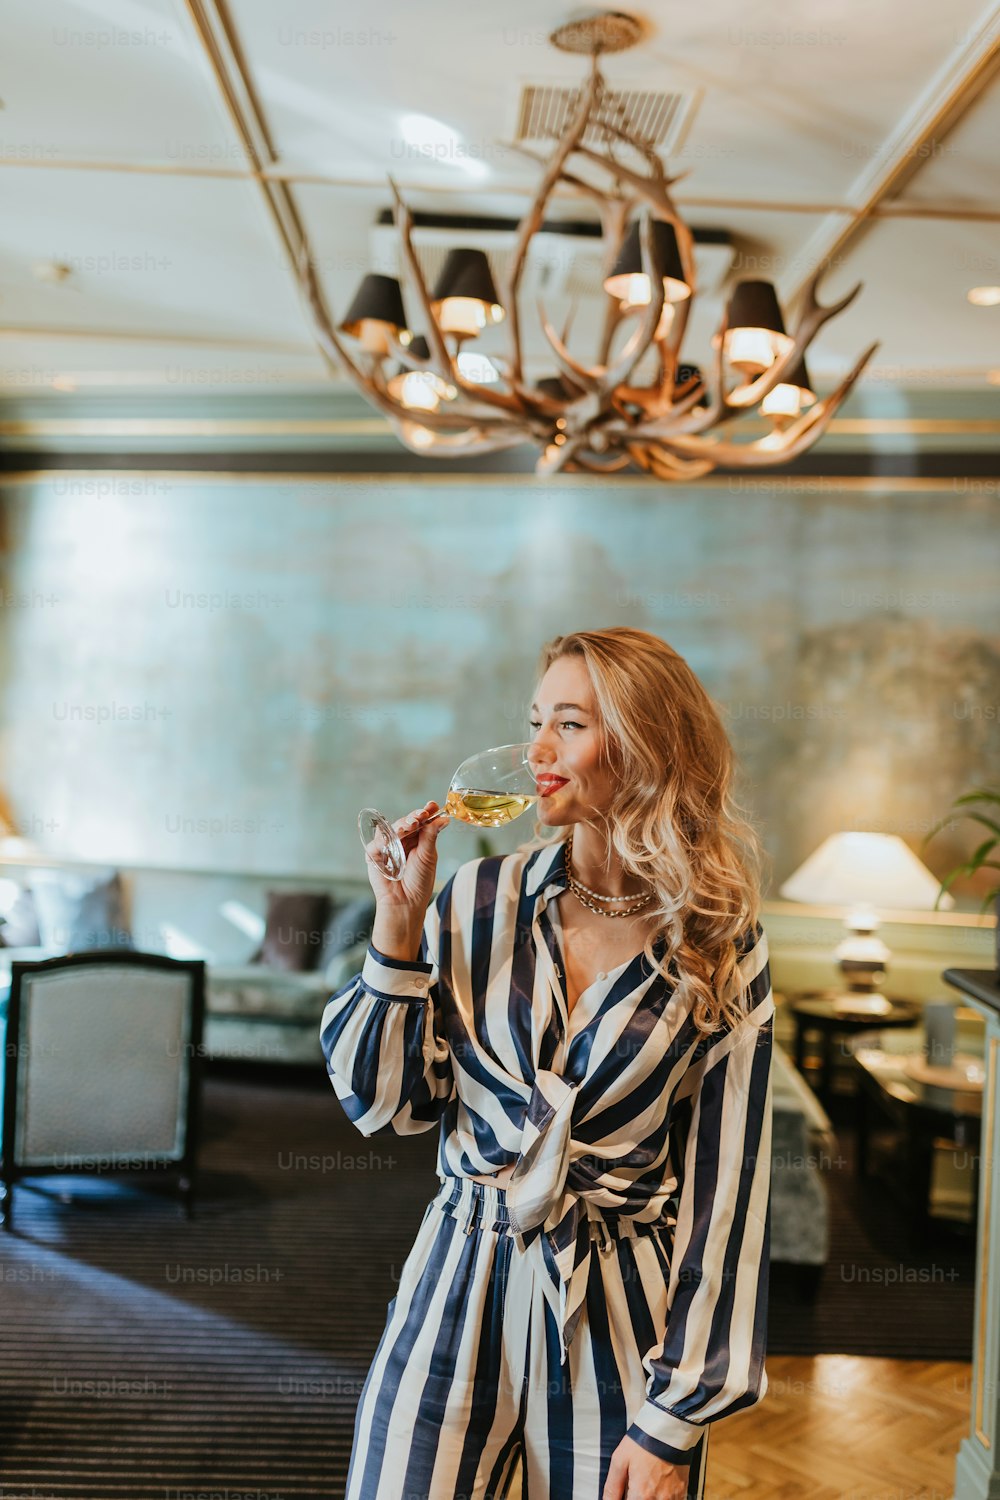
{"x": 590, "y": 1020}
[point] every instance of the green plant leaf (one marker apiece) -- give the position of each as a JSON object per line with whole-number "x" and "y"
{"x": 986, "y": 822}
{"x": 980, "y": 794}
{"x": 950, "y": 879}
{"x": 986, "y": 847}
{"x": 983, "y": 795}
{"x": 942, "y": 823}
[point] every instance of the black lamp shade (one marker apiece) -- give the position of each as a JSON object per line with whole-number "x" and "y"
{"x": 379, "y": 299}
{"x": 629, "y": 262}
{"x": 466, "y": 273}
{"x": 419, "y": 348}
{"x": 754, "y": 304}
{"x": 756, "y": 333}
{"x": 552, "y": 386}
{"x": 687, "y": 373}
{"x": 798, "y": 375}
{"x": 784, "y": 402}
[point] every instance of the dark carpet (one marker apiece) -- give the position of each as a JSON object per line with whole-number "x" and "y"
{"x": 881, "y": 1294}
{"x": 146, "y": 1357}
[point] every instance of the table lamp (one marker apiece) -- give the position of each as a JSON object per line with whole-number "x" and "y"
{"x": 866, "y": 873}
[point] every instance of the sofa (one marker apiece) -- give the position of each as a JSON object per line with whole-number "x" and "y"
{"x": 255, "y": 1010}
{"x": 803, "y": 1144}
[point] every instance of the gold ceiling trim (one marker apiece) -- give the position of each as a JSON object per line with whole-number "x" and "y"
{"x": 225, "y": 58}
{"x": 378, "y": 426}
{"x": 134, "y": 168}
{"x": 195, "y": 427}
{"x": 126, "y": 336}
{"x": 960, "y": 426}
{"x": 773, "y": 483}
{"x": 898, "y": 209}
{"x": 953, "y": 105}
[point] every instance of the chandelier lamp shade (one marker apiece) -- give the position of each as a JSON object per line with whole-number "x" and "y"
{"x": 756, "y": 333}
{"x": 464, "y": 299}
{"x": 639, "y": 401}
{"x": 376, "y": 314}
{"x": 552, "y": 386}
{"x": 687, "y": 373}
{"x": 786, "y": 401}
{"x": 629, "y": 282}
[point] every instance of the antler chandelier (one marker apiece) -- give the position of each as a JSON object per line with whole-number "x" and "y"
{"x": 593, "y": 417}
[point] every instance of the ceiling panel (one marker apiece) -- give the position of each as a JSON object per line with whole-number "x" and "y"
{"x": 796, "y": 107}
{"x": 161, "y": 255}
{"x": 797, "y": 101}
{"x": 961, "y": 168}
{"x": 110, "y": 80}
{"x": 913, "y": 300}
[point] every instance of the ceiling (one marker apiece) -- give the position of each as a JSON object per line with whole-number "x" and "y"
{"x": 173, "y": 153}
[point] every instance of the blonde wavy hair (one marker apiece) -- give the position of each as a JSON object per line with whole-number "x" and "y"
{"x": 674, "y": 820}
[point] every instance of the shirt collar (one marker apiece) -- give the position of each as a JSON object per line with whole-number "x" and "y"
{"x": 546, "y": 874}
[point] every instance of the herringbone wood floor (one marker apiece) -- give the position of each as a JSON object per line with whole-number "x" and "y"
{"x": 835, "y": 1427}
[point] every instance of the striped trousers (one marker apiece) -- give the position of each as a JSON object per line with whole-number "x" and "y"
{"x": 466, "y": 1398}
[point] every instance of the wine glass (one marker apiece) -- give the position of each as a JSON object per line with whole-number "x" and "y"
{"x": 488, "y": 790}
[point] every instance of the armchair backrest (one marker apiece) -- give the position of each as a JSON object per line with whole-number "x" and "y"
{"x": 102, "y": 1060}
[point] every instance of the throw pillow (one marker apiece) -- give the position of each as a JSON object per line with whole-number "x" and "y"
{"x": 294, "y": 931}
{"x": 78, "y": 912}
{"x": 20, "y": 926}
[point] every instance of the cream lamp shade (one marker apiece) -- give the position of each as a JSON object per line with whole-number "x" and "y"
{"x": 865, "y": 873}
{"x": 865, "y": 869}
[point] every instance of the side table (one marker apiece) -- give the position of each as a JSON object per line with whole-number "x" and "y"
{"x": 922, "y": 1115}
{"x": 826, "y": 1012}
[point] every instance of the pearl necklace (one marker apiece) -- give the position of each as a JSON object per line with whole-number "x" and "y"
{"x": 583, "y": 892}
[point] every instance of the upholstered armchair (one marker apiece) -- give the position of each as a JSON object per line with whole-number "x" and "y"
{"x": 102, "y": 1068}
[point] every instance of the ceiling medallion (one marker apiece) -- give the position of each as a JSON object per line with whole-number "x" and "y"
{"x": 606, "y": 416}
{"x": 607, "y": 31}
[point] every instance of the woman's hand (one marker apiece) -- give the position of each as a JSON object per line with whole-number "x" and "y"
{"x": 401, "y": 905}
{"x": 636, "y": 1474}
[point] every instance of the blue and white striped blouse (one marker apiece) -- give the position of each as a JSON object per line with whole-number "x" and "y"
{"x": 615, "y": 1108}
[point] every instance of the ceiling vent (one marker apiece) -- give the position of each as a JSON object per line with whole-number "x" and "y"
{"x": 660, "y": 118}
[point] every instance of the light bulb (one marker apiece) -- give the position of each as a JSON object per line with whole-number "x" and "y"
{"x": 466, "y": 316}
{"x": 421, "y": 390}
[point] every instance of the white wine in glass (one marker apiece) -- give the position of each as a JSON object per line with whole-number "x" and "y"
{"x": 488, "y": 790}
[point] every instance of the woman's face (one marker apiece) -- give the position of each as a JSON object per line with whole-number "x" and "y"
{"x": 566, "y": 746}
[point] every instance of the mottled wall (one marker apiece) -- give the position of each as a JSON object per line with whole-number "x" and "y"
{"x": 217, "y": 674}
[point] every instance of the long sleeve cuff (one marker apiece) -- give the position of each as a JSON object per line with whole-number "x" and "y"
{"x": 394, "y": 978}
{"x": 665, "y": 1435}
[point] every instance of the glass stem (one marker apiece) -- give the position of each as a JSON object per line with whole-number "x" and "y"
{"x": 429, "y": 819}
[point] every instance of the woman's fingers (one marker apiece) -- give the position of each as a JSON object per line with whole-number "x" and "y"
{"x": 441, "y": 821}
{"x": 413, "y": 824}
{"x": 410, "y": 827}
